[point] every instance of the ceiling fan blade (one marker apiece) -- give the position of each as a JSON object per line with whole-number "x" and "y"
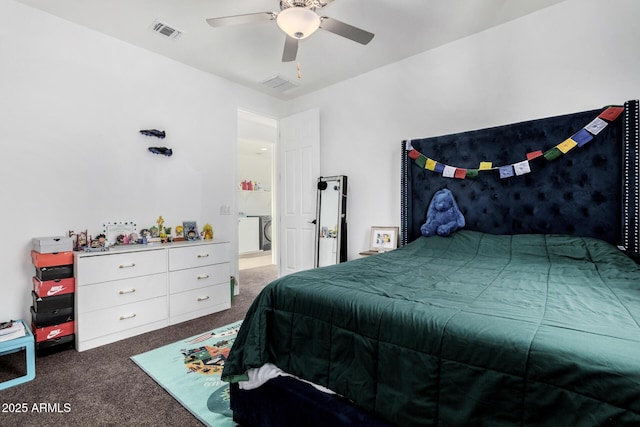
{"x": 346, "y": 30}
{"x": 290, "y": 49}
{"x": 241, "y": 19}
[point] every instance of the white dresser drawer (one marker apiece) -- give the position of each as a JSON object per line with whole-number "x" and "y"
{"x": 115, "y": 319}
{"x": 198, "y": 255}
{"x": 194, "y": 278}
{"x": 115, "y": 293}
{"x": 208, "y": 299}
{"x": 117, "y": 266}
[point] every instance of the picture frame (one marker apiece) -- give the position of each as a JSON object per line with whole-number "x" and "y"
{"x": 190, "y": 230}
{"x": 383, "y": 238}
{"x": 112, "y": 230}
{"x": 79, "y": 239}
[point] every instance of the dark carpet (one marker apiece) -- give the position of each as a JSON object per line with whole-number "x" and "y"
{"x": 102, "y": 386}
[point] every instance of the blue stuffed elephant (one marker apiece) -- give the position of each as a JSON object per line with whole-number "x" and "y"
{"x": 443, "y": 216}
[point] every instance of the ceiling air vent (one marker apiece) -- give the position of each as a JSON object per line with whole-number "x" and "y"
{"x": 279, "y": 83}
{"x": 165, "y": 29}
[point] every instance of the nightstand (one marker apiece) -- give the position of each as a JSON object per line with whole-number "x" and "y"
{"x": 17, "y": 344}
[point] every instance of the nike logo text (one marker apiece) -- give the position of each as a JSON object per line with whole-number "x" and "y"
{"x": 55, "y": 290}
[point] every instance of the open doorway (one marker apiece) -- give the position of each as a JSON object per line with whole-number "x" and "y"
{"x": 257, "y": 136}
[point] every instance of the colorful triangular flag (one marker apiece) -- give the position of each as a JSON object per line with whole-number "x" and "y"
{"x": 472, "y": 173}
{"x": 506, "y": 171}
{"x": 567, "y": 145}
{"x": 460, "y": 173}
{"x": 596, "y": 126}
{"x": 522, "y": 167}
{"x": 449, "y": 171}
{"x": 611, "y": 113}
{"x": 552, "y": 154}
{"x": 582, "y": 137}
{"x": 414, "y": 154}
{"x": 534, "y": 154}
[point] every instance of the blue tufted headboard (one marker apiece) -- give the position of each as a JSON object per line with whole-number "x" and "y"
{"x": 590, "y": 190}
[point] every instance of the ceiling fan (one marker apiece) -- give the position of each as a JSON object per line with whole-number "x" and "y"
{"x": 298, "y": 19}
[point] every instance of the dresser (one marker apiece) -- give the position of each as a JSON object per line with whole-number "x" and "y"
{"x": 130, "y": 290}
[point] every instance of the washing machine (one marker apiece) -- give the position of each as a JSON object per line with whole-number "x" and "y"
{"x": 264, "y": 228}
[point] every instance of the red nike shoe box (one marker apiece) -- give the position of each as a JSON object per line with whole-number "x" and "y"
{"x": 50, "y": 304}
{"x": 54, "y": 345}
{"x": 52, "y": 332}
{"x": 49, "y": 260}
{"x": 49, "y": 288}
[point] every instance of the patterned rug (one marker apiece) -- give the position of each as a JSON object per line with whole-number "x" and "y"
{"x": 190, "y": 371}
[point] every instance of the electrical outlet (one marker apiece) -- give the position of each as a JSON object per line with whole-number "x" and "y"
{"x": 225, "y": 210}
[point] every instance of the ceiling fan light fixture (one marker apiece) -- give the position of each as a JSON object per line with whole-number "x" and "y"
{"x": 298, "y": 22}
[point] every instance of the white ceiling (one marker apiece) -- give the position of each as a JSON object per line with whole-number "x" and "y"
{"x": 250, "y": 54}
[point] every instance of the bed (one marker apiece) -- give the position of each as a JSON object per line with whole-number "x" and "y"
{"x": 529, "y": 315}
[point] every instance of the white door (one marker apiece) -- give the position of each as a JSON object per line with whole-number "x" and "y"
{"x": 299, "y": 166}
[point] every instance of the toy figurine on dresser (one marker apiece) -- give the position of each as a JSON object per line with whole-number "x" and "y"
{"x": 98, "y": 244}
{"x": 179, "y": 234}
{"x": 207, "y": 232}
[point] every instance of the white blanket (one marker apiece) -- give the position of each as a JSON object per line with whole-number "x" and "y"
{"x": 259, "y": 376}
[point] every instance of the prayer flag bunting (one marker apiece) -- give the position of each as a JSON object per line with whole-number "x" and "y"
{"x": 449, "y": 172}
{"x": 552, "y": 154}
{"x": 522, "y": 167}
{"x": 461, "y": 173}
{"x": 472, "y": 173}
{"x": 582, "y": 137}
{"x": 534, "y": 155}
{"x": 611, "y": 113}
{"x": 566, "y": 145}
{"x": 506, "y": 171}
{"x": 596, "y": 126}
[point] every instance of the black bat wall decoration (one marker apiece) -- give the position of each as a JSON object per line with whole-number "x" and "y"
{"x": 154, "y": 132}
{"x": 161, "y": 150}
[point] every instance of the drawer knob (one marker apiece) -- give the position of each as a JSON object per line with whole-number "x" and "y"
{"x": 127, "y": 291}
{"x": 133, "y": 264}
{"x": 128, "y": 316}
{"x": 206, "y": 276}
{"x": 203, "y": 255}
{"x": 203, "y": 298}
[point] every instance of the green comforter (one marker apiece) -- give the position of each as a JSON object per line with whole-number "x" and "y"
{"x": 473, "y": 329}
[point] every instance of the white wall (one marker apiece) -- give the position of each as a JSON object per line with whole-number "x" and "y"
{"x": 72, "y": 103}
{"x": 574, "y": 56}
